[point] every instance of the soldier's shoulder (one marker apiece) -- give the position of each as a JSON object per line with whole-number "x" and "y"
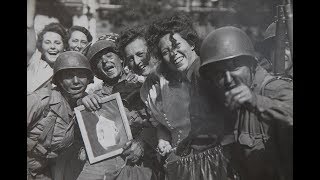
{"x": 41, "y": 93}
{"x": 43, "y": 97}
{"x": 278, "y": 82}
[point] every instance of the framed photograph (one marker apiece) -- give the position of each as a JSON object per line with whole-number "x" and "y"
{"x": 106, "y": 130}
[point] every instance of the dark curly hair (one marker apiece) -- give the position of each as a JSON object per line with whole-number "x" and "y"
{"x": 56, "y": 28}
{"x": 81, "y": 29}
{"x": 177, "y": 22}
{"x": 128, "y": 35}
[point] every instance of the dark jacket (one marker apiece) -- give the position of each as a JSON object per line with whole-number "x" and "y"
{"x": 179, "y": 106}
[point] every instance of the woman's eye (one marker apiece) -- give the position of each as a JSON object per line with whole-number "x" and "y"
{"x": 164, "y": 53}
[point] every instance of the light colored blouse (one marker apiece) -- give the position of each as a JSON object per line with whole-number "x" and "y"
{"x": 39, "y": 73}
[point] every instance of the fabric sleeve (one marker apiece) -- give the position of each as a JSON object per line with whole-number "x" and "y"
{"x": 277, "y": 103}
{"x": 36, "y": 103}
{"x": 148, "y": 93}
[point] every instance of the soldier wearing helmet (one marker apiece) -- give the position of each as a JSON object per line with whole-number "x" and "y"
{"x": 51, "y": 120}
{"x": 106, "y": 63}
{"x": 267, "y": 49}
{"x": 260, "y": 103}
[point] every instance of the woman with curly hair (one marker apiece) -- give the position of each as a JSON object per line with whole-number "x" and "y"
{"x": 51, "y": 42}
{"x": 189, "y": 131}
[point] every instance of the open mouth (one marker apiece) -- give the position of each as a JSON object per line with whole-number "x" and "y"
{"x": 53, "y": 53}
{"x": 76, "y": 90}
{"x": 141, "y": 67}
{"x": 178, "y": 61}
{"x": 108, "y": 67}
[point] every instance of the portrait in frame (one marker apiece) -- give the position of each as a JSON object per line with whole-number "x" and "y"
{"x": 105, "y": 131}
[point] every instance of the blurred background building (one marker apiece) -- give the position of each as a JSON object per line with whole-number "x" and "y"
{"x": 103, "y": 16}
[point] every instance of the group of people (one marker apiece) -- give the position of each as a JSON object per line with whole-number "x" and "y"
{"x": 197, "y": 109}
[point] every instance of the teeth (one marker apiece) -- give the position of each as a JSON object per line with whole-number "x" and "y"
{"x": 109, "y": 68}
{"x": 178, "y": 60}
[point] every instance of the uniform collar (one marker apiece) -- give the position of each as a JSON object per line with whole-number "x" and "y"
{"x": 107, "y": 89}
{"x": 259, "y": 76}
{"x": 60, "y": 106}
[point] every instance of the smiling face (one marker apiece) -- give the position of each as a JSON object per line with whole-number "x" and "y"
{"x": 74, "y": 82}
{"x": 136, "y": 56}
{"x": 109, "y": 65}
{"x": 78, "y": 40}
{"x": 178, "y": 58}
{"x": 51, "y": 46}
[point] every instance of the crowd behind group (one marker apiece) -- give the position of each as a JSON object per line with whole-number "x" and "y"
{"x": 207, "y": 109}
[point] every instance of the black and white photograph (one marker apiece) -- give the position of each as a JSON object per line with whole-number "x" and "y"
{"x": 105, "y": 131}
{"x": 160, "y": 89}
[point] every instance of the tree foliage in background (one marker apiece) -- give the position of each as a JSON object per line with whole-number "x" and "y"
{"x": 136, "y": 11}
{"x": 256, "y": 12}
{"x": 248, "y": 12}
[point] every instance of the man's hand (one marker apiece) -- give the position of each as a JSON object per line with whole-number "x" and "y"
{"x": 164, "y": 147}
{"x": 82, "y": 154}
{"x": 133, "y": 150}
{"x": 92, "y": 102}
{"x": 240, "y": 95}
{"x": 131, "y": 77}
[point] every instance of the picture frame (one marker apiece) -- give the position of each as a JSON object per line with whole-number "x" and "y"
{"x": 104, "y": 131}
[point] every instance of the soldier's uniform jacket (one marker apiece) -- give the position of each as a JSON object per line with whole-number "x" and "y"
{"x": 264, "y": 132}
{"x": 49, "y": 112}
{"x": 274, "y": 105}
{"x": 137, "y": 116}
{"x": 137, "y": 121}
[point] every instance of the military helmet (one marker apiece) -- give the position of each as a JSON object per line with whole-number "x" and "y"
{"x": 71, "y": 60}
{"x": 98, "y": 47}
{"x": 104, "y": 42}
{"x": 265, "y": 45}
{"x": 225, "y": 43}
